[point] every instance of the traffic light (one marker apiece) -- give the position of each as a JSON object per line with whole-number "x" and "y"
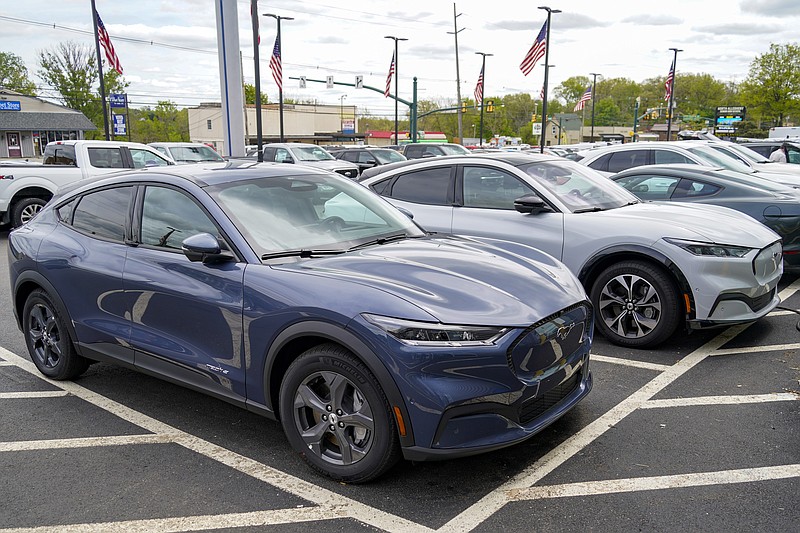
{"x": 534, "y": 118}
{"x": 464, "y": 106}
{"x": 490, "y": 106}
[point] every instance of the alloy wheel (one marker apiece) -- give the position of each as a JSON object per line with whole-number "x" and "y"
{"x": 630, "y": 306}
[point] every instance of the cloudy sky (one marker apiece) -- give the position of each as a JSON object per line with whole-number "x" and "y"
{"x": 168, "y": 48}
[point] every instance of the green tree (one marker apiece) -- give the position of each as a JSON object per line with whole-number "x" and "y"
{"x": 164, "y": 123}
{"x": 571, "y": 89}
{"x": 14, "y": 74}
{"x": 773, "y": 83}
{"x": 71, "y": 70}
{"x": 250, "y": 94}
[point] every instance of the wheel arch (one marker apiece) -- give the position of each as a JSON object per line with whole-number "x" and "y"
{"x": 299, "y": 337}
{"x": 25, "y": 284}
{"x": 600, "y": 261}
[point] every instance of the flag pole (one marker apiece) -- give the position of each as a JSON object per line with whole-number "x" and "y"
{"x": 546, "y": 69}
{"x": 100, "y": 71}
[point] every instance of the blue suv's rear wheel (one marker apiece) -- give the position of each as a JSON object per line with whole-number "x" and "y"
{"x": 336, "y": 416}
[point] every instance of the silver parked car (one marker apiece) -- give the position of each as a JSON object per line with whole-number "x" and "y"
{"x": 648, "y": 267}
{"x": 187, "y": 153}
{"x": 309, "y": 155}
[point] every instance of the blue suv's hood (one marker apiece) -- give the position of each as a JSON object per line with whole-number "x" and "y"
{"x": 457, "y": 281}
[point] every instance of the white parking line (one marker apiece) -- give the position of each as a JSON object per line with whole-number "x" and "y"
{"x": 755, "y": 349}
{"x": 84, "y": 442}
{"x": 33, "y": 394}
{"x": 628, "y": 362}
{"x": 197, "y": 523}
{"x": 6, "y": 363}
{"x": 721, "y": 400}
{"x": 611, "y": 486}
{"x": 281, "y": 480}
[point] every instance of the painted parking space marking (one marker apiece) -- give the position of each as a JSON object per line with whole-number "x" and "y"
{"x": 756, "y": 349}
{"x": 611, "y": 486}
{"x": 329, "y": 505}
{"x": 721, "y": 400}
{"x": 323, "y": 498}
{"x": 37, "y": 394}
{"x": 628, "y": 362}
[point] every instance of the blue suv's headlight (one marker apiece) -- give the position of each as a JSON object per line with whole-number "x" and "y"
{"x": 708, "y": 248}
{"x": 427, "y": 333}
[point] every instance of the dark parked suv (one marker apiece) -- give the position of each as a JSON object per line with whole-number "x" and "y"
{"x": 766, "y": 148}
{"x": 365, "y": 157}
{"x": 420, "y": 150}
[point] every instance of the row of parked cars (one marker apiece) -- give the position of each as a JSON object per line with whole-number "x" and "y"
{"x": 439, "y": 307}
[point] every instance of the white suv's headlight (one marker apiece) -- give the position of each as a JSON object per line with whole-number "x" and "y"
{"x": 710, "y": 249}
{"x": 428, "y": 333}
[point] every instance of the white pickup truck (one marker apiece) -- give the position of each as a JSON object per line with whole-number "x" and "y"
{"x": 25, "y": 188}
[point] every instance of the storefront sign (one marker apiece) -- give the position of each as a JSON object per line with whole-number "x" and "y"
{"x": 8, "y": 105}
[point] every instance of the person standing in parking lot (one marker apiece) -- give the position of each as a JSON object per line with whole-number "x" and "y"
{"x": 779, "y": 155}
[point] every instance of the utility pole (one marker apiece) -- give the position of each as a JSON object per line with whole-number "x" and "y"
{"x": 483, "y": 89}
{"x": 455, "y": 33}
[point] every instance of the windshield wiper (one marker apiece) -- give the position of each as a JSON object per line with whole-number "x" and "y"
{"x": 588, "y": 210}
{"x": 380, "y": 240}
{"x": 301, "y": 253}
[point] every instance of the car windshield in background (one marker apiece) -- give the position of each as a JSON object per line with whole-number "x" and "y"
{"x": 578, "y": 187}
{"x": 311, "y": 154}
{"x": 194, "y": 154}
{"x": 453, "y": 149}
{"x": 294, "y": 213}
{"x": 749, "y": 154}
{"x": 717, "y": 159}
{"x": 384, "y": 157}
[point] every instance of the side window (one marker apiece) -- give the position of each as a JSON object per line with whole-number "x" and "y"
{"x": 413, "y": 151}
{"x": 65, "y": 211}
{"x": 365, "y": 157}
{"x": 433, "y": 150}
{"x": 282, "y": 155}
{"x": 59, "y": 154}
{"x": 666, "y": 157}
{"x": 762, "y": 149}
{"x": 601, "y": 163}
{"x": 490, "y": 188}
{"x": 161, "y": 149}
{"x": 169, "y": 216}
{"x": 429, "y": 186}
{"x": 269, "y": 154}
{"x": 146, "y": 158}
{"x": 794, "y": 154}
{"x": 102, "y": 213}
{"x": 650, "y": 187}
{"x": 350, "y": 155}
{"x": 381, "y": 186}
{"x": 625, "y": 159}
{"x": 691, "y": 189}
{"x": 105, "y": 158}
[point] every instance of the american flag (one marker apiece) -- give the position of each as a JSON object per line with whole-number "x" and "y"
{"x": 275, "y": 64}
{"x": 105, "y": 40}
{"x": 388, "y": 89}
{"x": 479, "y": 89}
{"x": 585, "y": 98}
{"x": 670, "y": 79}
{"x": 536, "y": 52}
{"x": 541, "y": 93}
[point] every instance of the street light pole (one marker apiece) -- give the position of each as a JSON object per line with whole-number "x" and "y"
{"x": 594, "y": 84}
{"x": 396, "y": 87}
{"x": 672, "y": 93}
{"x": 483, "y": 71}
{"x": 341, "y": 112}
{"x": 280, "y": 86}
{"x": 455, "y": 33}
{"x": 546, "y": 70}
{"x": 254, "y": 21}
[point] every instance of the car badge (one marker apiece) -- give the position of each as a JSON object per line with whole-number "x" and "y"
{"x": 563, "y": 331}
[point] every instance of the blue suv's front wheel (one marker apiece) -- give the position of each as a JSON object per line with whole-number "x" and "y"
{"x": 336, "y": 415}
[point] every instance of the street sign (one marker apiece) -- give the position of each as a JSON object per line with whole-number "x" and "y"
{"x": 118, "y": 100}
{"x": 302, "y": 82}
{"x": 329, "y": 82}
{"x": 359, "y": 82}
{"x": 537, "y": 128}
{"x": 119, "y": 124}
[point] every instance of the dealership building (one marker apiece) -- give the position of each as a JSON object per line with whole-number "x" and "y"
{"x": 28, "y": 123}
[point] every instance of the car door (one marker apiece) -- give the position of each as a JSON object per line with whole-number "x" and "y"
{"x": 428, "y": 194}
{"x": 92, "y": 234}
{"x": 186, "y": 316}
{"x": 485, "y": 208}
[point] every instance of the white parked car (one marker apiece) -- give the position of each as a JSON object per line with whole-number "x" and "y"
{"x": 309, "y": 155}
{"x": 649, "y": 267}
{"x": 187, "y": 153}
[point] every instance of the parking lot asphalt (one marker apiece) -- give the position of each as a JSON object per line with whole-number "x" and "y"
{"x": 700, "y": 434}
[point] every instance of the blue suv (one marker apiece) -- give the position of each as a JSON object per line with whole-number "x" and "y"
{"x": 368, "y": 338}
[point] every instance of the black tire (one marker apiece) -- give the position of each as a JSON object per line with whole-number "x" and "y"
{"x": 48, "y": 340}
{"x": 25, "y": 209}
{"x": 636, "y": 304}
{"x": 355, "y": 412}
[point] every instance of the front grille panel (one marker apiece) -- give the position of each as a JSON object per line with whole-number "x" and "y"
{"x": 537, "y": 406}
